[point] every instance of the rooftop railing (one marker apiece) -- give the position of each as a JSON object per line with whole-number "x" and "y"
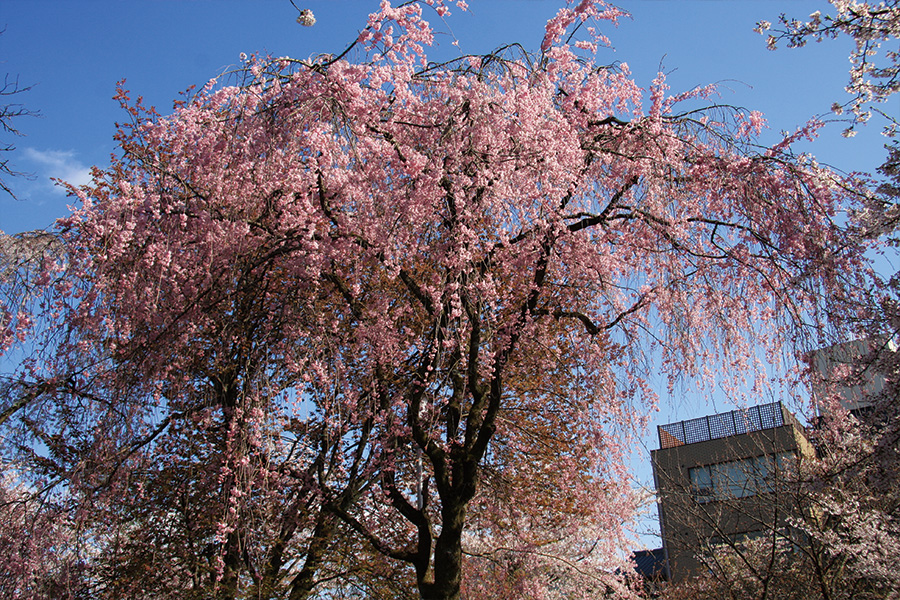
{"x": 736, "y": 422}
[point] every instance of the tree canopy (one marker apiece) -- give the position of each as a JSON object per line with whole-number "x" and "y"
{"x": 355, "y": 325}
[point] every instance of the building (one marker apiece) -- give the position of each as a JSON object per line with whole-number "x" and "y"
{"x": 719, "y": 481}
{"x": 846, "y": 372}
{"x": 650, "y": 566}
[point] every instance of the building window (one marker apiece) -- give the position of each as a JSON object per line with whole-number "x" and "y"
{"x": 739, "y": 478}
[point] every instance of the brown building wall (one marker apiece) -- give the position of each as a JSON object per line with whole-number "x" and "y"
{"x": 692, "y": 523}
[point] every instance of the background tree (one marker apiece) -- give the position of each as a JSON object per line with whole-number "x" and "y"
{"x": 11, "y": 113}
{"x": 360, "y": 296}
{"x": 874, "y": 72}
{"x": 823, "y": 532}
{"x": 789, "y": 527}
{"x": 22, "y": 258}
{"x": 43, "y": 556}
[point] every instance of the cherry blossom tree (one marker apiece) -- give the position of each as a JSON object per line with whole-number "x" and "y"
{"x": 406, "y": 307}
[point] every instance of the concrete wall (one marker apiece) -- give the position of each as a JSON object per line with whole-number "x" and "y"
{"x": 691, "y": 523}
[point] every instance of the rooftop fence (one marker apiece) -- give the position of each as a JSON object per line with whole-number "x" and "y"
{"x": 714, "y": 427}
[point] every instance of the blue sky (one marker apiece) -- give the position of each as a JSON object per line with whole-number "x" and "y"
{"x": 74, "y": 52}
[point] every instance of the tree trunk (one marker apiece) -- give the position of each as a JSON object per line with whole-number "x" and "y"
{"x": 228, "y": 585}
{"x": 447, "y": 579}
{"x": 304, "y": 583}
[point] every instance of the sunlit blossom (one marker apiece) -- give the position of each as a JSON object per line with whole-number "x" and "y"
{"x": 306, "y": 18}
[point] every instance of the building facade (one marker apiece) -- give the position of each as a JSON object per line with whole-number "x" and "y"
{"x": 719, "y": 481}
{"x": 846, "y": 373}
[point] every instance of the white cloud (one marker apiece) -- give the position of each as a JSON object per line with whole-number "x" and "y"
{"x": 60, "y": 164}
